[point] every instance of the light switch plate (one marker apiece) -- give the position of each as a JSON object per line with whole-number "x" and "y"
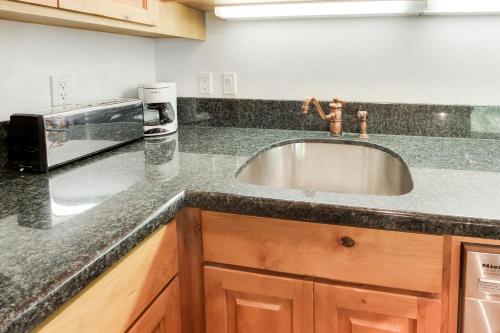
{"x": 206, "y": 83}
{"x": 60, "y": 90}
{"x": 229, "y": 83}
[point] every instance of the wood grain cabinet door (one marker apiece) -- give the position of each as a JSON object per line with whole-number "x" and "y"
{"x": 163, "y": 315}
{"x": 138, "y": 11}
{"x": 341, "y": 309}
{"x": 242, "y": 302}
{"x": 48, "y": 3}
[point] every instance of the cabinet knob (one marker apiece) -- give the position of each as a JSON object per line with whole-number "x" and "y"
{"x": 347, "y": 241}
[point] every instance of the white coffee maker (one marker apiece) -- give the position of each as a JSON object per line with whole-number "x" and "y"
{"x": 160, "y": 108}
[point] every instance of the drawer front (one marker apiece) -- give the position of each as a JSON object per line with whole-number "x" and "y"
{"x": 357, "y": 255}
{"x": 116, "y": 299}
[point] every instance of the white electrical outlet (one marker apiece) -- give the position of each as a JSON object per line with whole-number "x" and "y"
{"x": 60, "y": 89}
{"x": 206, "y": 83}
{"x": 229, "y": 83}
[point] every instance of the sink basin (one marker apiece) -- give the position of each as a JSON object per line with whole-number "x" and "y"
{"x": 330, "y": 166}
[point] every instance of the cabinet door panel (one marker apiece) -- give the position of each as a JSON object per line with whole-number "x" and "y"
{"x": 48, "y": 3}
{"x": 138, "y": 11}
{"x": 242, "y": 302}
{"x": 363, "y": 322}
{"x": 341, "y": 309}
{"x": 164, "y": 315}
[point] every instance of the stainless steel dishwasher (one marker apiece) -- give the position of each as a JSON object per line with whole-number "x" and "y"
{"x": 481, "y": 289}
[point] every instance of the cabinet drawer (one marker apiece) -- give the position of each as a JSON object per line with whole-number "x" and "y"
{"x": 357, "y": 255}
{"x": 116, "y": 299}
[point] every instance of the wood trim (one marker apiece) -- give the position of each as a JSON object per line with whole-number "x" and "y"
{"x": 190, "y": 249}
{"x": 116, "y": 299}
{"x": 394, "y": 259}
{"x": 163, "y": 313}
{"x": 445, "y": 293}
{"x": 429, "y": 315}
{"x": 113, "y": 9}
{"x": 48, "y": 3}
{"x": 175, "y": 20}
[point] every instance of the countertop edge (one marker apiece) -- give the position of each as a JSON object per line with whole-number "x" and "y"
{"x": 345, "y": 215}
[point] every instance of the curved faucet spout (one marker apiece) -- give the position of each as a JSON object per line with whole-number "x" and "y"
{"x": 317, "y": 106}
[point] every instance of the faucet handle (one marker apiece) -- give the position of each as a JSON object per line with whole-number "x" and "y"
{"x": 338, "y": 103}
{"x": 362, "y": 116}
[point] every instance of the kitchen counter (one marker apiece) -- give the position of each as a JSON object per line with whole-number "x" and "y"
{"x": 61, "y": 230}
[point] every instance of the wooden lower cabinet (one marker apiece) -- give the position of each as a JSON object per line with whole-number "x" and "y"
{"x": 243, "y": 302}
{"x": 114, "y": 301}
{"x": 344, "y": 309}
{"x": 164, "y": 315}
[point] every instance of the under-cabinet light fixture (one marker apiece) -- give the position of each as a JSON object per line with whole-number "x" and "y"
{"x": 320, "y": 9}
{"x": 437, "y": 7}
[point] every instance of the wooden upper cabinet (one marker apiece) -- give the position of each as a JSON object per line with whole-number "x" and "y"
{"x": 342, "y": 309}
{"x": 137, "y": 11}
{"x": 48, "y": 3}
{"x": 242, "y": 302}
{"x": 164, "y": 315}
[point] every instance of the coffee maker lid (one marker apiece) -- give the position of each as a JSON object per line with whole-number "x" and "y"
{"x": 156, "y": 85}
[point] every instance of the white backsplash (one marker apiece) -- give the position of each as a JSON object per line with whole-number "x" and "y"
{"x": 102, "y": 65}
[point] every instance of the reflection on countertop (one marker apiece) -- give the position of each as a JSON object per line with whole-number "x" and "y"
{"x": 59, "y": 196}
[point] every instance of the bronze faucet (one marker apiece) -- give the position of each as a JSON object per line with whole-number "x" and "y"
{"x": 334, "y": 117}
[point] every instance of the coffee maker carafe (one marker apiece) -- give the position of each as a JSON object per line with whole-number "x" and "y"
{"x": 160, "y": 108}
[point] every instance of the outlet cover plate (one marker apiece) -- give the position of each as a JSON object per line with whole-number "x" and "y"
{"x": 60, "y": 90}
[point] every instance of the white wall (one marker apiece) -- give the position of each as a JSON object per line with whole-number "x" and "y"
{"x": 102, "y": 65}
{"x": 449, "y": 60}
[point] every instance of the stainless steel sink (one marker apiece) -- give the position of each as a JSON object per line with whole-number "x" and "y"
{"x": 334, "y": 166}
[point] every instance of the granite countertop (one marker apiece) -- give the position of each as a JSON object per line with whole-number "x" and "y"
{"x": 58, "y": 231}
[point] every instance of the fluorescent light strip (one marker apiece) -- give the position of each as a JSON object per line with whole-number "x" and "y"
{"x": 463, "y": 7}
{"x": 321, "y": 9}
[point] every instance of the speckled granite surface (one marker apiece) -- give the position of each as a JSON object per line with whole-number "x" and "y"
{"x": 383, "y": 118}
{"x": 4, "y": 129}
{"x": 61, "y": 230}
